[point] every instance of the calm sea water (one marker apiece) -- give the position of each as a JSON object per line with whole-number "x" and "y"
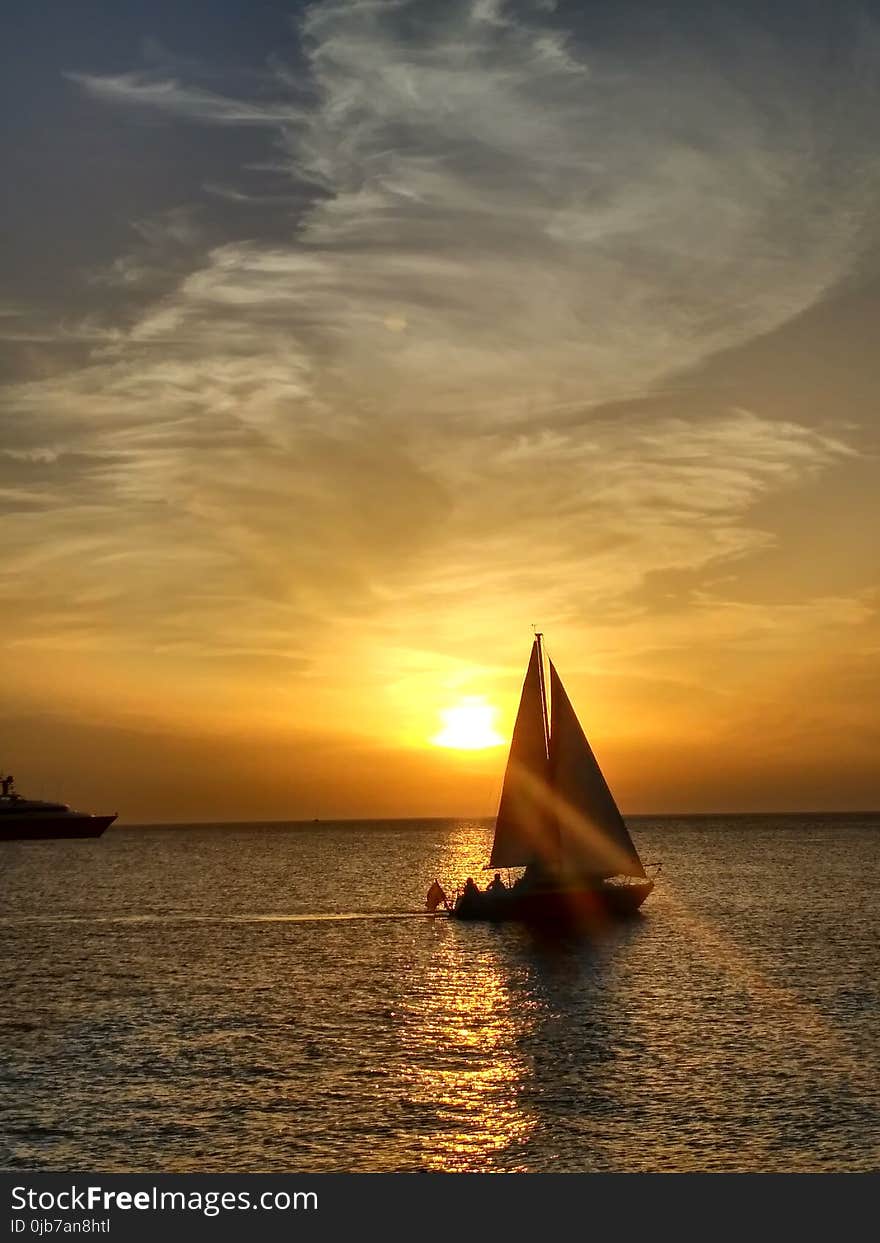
{"x": 249, "y": 999}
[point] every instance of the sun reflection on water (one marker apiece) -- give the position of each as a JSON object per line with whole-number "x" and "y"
{"x": 461, "y": 1030}
{"x": 464, "y": 1067}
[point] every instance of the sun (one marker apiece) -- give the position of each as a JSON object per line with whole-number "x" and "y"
{"x": 468, "y": 726}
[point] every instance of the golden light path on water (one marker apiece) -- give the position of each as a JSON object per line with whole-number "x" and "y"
{"x": 459, "y": 1026}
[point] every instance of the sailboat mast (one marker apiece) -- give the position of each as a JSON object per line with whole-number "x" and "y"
{"x": 539, "y": 639}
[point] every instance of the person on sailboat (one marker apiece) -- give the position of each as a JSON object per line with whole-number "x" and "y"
{"x": 496, "y": 885}
{"x": 470, "y": 889}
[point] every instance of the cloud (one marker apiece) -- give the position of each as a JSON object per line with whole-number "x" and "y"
{"x": 166, "y": 95}
{"x": 574, "y": 523}
{"x": 533, "y": 206}
{"x": 438, "y": 393}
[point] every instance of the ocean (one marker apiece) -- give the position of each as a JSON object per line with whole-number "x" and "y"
{"x": 257, "y": 999}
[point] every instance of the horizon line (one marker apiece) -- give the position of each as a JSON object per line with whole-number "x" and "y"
{"x": 642, "y": 815}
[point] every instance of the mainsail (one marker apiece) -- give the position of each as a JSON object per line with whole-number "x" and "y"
{"x": 593, "y": 839}
{"x": 525, "y": 820}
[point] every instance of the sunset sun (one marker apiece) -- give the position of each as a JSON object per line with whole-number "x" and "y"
{"x": 468, "y": 726}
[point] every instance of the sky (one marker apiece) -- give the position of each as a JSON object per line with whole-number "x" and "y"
{"x": 342, "y": 344}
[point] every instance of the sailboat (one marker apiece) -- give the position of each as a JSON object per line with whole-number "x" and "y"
{"x": 557, "y": 818}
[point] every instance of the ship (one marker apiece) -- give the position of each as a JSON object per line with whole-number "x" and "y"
{"x": 558, "y": 820}
{"x": 28, "y": 819}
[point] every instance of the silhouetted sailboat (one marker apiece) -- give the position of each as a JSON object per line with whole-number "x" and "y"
{"x": 558, "y": 819}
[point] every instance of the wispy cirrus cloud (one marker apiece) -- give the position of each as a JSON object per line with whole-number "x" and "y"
{"x": 139, "y": 90}
{"x": 485, "y": 237}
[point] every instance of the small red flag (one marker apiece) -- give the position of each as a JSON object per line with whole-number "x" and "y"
{"x": 435, "y": 897}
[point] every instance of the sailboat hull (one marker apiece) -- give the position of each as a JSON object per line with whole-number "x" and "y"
{"x": 586, "y": 906}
